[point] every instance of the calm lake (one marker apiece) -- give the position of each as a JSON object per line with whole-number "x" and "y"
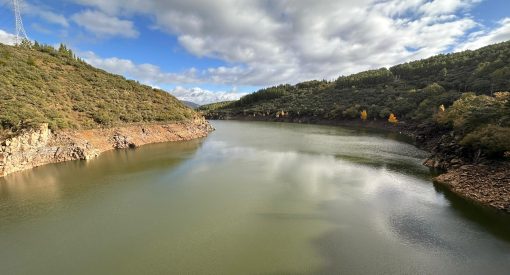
{"x": 252, "y": 198}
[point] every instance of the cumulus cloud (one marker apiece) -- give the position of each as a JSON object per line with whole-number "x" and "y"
{"x": 201, "y": 96}
{"x": 437, "y": 7}
{"x": 53, "y": 18}
{"x": 46, "y": 14}
{"x": 486, "y": 37}
{"x": 271, "y": 42}
{"x": 7, "y": 38}
{"x": 147, "y": 73}
{"x": 104, "y": 25}
{"x": 154, "y": 76}
{"x": 39, "y": 10}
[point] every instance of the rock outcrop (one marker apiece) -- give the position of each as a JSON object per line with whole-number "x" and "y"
{"x": 486, "y": 184}
{"x": 469, "y": 173}
{"x": 39, "y": 146}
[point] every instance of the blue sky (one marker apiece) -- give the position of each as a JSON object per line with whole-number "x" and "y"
{"x": 206, "y": 51}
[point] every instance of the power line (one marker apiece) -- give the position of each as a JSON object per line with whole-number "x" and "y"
{"x": 21, "y": 35}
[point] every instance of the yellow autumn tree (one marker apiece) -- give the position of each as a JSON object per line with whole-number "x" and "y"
{"x": 441, "y": 114}
{"x": 392, "y": 119}
{"x": 364, "y": 115}
{"x": 281, "y": 114}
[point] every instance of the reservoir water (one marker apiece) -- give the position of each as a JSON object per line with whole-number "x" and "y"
{"x": 252, "y": 198}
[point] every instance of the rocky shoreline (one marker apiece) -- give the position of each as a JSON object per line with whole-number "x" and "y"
{"x": 40, "y": 146}
{"x": 467, "y": 173}
{"x": 488, "y": 184}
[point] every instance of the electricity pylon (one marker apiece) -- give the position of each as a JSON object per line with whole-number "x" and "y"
{"x": 20, "y": 30}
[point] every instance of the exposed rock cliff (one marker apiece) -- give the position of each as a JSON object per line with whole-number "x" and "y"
{"x": 40, "y": 146}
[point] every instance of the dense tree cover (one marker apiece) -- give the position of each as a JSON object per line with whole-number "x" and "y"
{"x": 264, "y": 94}
{"x": 365, "y": 79}
{"x": 414, "y": 92}
{"x": 329, "y": 102}
{"x": 482, "y": 122}
{"x": 40, "y": 84}
{"x": 482, "y": 71}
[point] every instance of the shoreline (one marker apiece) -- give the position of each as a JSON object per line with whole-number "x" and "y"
{"x": 40, "y": 146}
{"x": 486, "y": 182}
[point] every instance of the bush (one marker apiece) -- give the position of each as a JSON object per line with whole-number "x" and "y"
{"x": 352, "y": 112}
{"x": 434, "y": 88}
{"x": 471, "y": 111}
{"x": 493, "y": 139}
{"x": 102, "y": 118}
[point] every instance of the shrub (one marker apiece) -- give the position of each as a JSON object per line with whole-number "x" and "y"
{"x": 102, "y": 118}
{"x": 352, "y": 112}
{"x": 493, "y": 139}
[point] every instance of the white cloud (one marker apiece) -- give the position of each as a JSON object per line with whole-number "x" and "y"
{"x": 437, "y": 7}
{"x": 483, "y": 38}
{"x": 7, "y": 38}
{"x": 104, "y": 25}
{"x": 271, "y": 42}
{"x": 146, "y": 73}
{"x": 46, "y": 14}
{"x": 152, "y": 75}
{"x": 38, "y": 10}
{"x": 201, "y": 96}
{"x": 53, "y": 18}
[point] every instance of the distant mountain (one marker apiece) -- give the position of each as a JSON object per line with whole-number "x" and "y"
{"x": 41, "y": 84}
{"x": 190, "y": 104}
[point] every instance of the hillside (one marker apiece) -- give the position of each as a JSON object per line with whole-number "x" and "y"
{"x": 415, "y": 93}
{"x": 412, "y": 91}
{"x": 190, "y": 104}
{"x": 455, "y": 106}
{"x": 40, "y": 84}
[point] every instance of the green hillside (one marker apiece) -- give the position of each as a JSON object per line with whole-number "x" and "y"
{"x": 414, "y": 92}
{"x": 42, "y": 84}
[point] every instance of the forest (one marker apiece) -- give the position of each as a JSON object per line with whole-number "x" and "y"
{"x": 464, "y": 91}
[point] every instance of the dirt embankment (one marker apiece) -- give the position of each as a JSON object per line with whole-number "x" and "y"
{"x": 41, "y": 146}
{"x": 468, "y": 173}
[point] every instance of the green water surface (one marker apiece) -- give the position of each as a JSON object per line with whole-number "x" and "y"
{"x": 252, "y": 198}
